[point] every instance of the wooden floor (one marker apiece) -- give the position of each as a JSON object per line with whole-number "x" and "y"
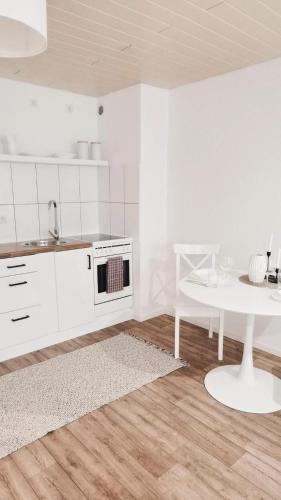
{"x": 167, "y": 440}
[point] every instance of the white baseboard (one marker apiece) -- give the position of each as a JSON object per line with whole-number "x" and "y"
{"x": 61, "y": 336}
{"x": 149, "y": 313}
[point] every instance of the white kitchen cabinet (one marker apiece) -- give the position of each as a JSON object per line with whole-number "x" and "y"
{"x": 75, "y": 287}
{"x": 20, "y": 326}
{"x": 47, "y": 293}
{"x": 28, "y": 305}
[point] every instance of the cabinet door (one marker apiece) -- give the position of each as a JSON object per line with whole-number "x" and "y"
{"x": 47, "y": 292}
{"x": 75, "y": 287}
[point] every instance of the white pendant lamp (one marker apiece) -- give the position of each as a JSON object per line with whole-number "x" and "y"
{"x": 23, "y": 27}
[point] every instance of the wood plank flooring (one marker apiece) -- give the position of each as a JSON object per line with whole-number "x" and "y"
{"x": 167, "y": 440}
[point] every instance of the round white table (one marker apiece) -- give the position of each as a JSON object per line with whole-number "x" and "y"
{"x": 241, "y": 387}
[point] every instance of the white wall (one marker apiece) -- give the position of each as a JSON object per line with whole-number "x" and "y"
{"x": 153, "y": 201}
{"x": 134, "y": 135}
{"x": 44, "y": 120}
{"x": 119, "y": 129}
{"x": 224, "y": 170}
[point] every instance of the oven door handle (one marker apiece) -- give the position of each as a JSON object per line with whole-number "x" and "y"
{"x": 89, "y": 262}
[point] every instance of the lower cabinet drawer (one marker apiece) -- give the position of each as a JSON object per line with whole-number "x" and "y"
{"x": 20, "y": 326}
{"x": 19, "y": 265}
{"x": 19, "y": 291}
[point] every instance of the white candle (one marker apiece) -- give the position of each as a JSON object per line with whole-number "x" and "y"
{"x": 270, "y": 242}
{"x": 278, "y": 258}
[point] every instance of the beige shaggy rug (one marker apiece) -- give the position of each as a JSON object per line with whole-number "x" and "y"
{"x": 43, "y": 397}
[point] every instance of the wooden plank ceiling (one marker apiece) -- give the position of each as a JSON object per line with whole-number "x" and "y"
{"x": 98, "y": 46}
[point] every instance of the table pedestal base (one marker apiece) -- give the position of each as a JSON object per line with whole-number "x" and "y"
{"x": 261, "y": 395}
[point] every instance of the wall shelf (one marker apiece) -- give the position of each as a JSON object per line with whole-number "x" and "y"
{"x": 51, "y": 160}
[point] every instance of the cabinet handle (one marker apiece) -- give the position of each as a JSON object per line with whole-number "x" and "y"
{"x": 20, "y": 319}
{"x": 17, "y": 284}
{"x": 17, "y": 265}
{"x": 89, "y": 262}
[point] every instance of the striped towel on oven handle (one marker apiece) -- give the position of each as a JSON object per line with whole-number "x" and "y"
{"x": 114, "y": 274}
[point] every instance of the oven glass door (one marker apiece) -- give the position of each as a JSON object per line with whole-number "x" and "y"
{"x": 100, "y": 267}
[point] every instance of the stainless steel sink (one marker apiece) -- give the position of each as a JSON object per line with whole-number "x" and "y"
{"x": 45, "y": 243}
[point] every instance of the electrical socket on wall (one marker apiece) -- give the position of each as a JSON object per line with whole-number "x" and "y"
{"x": 3, "y": 219}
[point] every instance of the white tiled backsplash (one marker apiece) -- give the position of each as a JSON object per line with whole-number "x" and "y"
{"x": 90, "y": 200}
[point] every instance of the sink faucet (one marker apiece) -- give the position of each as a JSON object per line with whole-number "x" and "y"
{"x": 53, "y": 230}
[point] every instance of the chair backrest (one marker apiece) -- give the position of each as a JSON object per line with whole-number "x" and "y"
{"x": 185, "y": 251}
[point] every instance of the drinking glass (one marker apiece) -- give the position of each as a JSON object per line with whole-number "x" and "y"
{"x": 226, "y": 263}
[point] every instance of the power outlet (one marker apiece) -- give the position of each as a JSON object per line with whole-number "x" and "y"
{"x": 3, "y": 219}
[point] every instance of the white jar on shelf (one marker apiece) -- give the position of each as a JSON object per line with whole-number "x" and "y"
{"x": 83, "y": 150}
{"x": 9, "y": 145}
{"x": 95, "y": 151}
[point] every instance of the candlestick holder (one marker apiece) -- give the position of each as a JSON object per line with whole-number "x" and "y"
{"x": 277, "y": 275}
{"x": 268, "y": 253}
{"x": 268, "y": 277}
{"x": 273, "y": 278}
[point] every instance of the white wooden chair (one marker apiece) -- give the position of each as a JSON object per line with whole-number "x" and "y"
{"x": 208, "y": 252}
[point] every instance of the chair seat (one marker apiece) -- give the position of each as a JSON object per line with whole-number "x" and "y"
{"x": 196, "y": 312}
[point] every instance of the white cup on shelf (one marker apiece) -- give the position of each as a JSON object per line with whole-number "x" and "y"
{"x": 83, "y": 150}
{"x": 9, "y": 145}
{"x": 95, "y": 151}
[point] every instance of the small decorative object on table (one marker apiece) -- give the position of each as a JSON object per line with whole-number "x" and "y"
{"x": 257, "y": 268}
{"x": 270, "y": 278}
{"x": 276, "y": 295}
{"x": 277, "y": 269}
{"x": 268, "y": 253}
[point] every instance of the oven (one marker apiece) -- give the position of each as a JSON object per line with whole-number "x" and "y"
{"x": 100, "y": 273}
